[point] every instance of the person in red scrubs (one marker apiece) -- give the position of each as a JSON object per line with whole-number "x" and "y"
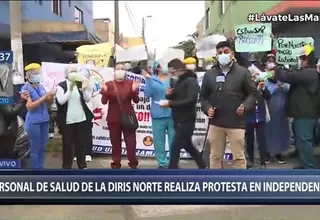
{"x": 126, "y": 91}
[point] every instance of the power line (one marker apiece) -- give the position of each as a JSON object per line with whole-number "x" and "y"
{"x": 131, "y": 17}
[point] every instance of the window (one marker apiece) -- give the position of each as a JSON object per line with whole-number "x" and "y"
{"x": 56, "y": 7}
{"x": 78, "y": 15}
{"x": 207, "y": 21}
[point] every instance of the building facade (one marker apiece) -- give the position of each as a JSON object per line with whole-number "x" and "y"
{"x": 104, "y": 28}
{"x": 52, "y": 10}
{"x": 201, "y": 29}
{"x": 222, "y": 16}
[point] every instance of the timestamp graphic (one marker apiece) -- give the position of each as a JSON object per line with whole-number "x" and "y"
{"x": 6, "y": 56}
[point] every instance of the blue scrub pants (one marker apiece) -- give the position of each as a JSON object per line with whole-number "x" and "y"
{"x": 161, "y": 127}
{"x": 38, "y": 134}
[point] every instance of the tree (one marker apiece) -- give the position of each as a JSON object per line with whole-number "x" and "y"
{"x": 188, "y": 46}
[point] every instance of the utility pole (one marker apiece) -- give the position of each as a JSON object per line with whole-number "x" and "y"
{"x": 116, "y": 24}
{"x": 16, "y": 35}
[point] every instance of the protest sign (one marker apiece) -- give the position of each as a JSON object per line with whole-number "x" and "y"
{"x": 136, "y": 53}
{"x": 253, "y": 37}
{"x": 289, "y": 49}
{"x": 206, "y": 47}
{"x": 170, "y": 54}
{"x": 97, "y": 55}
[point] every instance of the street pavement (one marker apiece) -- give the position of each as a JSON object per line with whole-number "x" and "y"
{"x": 155, "y": 212}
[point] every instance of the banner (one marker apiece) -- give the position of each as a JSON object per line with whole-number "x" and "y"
{"x": 136, "y": 53}
{"x": 54, "y": 73}
{"x": 206, "y": 47}
{"x": 253, "y": 37}
{"x": 289, "y": 49}
{"x": 166, "y": 187}
{"x": 97, "y": 55}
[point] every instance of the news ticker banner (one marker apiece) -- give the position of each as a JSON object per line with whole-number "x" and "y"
{"x": 160, "y": 187}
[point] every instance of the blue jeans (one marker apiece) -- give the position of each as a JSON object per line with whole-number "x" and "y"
{"x": 161, "y": 127}
{"x": 38, "y": 137}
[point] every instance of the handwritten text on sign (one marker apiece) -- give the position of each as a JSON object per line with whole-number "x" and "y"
{"x": 253, "y": 37}
{"x": 289, "y": 49}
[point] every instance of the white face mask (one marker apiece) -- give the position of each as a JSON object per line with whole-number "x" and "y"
{"x": 191, "y": 66}
{"x": 270, "y": 65}
{"x": 209, "y": 67}
{"x": 119, "y": 75}
{"x": 224, "y": 59}
{"x": 72, "y": 76}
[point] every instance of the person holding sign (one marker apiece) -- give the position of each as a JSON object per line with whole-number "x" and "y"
{"x": 227, "y": 93}
{"x": 303, "y": 103}
{"x": 74, "y": 117}
{"x": 162, "y": 123}
{"x": 118, "y": 94}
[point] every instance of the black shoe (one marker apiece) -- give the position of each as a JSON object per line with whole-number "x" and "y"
{"x": 249, "y": 164}
{"x": 267, "y": 160}
{"x": 280, "y": 159}
{"x": 160, "y": 167}
{"x": 298, "y": 167}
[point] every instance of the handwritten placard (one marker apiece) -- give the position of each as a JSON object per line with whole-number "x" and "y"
{"x": 289, "y": 49}
{"x": 253, "y": 37}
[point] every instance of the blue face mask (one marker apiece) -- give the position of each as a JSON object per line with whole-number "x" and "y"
{"x": 224, "y": 59}
{"x": 35, "y": 78}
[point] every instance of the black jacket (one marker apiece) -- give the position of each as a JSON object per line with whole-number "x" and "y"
{"x": 237, "y": 89}
{"x": 303, "y": 88}
{"x": 8, "y": 118}
{"x": 184, "y": 98}
{"x": 63, "y": 109}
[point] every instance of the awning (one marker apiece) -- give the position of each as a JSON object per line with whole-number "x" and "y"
{"x": 51, "y": 31}
{"x": 77, "y": 36}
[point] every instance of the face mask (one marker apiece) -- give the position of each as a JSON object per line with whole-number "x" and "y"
{"x": 119, "y": 75}
{"x": 270, "y": 65}
{"x": 35, "y": 78}
{"x": 224, "y": 59}
{"x": 191, "y": 66}
{"x": 175, "y": 77}
{"x": 209, "y": 67}
{"x": 72, "y": 76}
{"x": 164, "y": 70}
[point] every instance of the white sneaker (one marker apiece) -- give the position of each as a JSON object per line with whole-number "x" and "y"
{"x": 75, "y": 159}
{"x": 51, "y": 135}
{"x": 88, "y": 158}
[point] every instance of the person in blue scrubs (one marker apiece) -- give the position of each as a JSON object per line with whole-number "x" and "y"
{"x": 37, "y": 118}
{"x": 162, "y": 123}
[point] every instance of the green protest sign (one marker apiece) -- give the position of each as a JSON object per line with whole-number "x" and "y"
{"x": 289, "y": 49}
{"x": 253, "y": 37}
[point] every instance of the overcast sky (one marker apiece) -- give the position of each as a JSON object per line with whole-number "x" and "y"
{"x": 170, "y": 23}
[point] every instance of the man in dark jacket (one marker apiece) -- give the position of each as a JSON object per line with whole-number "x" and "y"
{"x": 227, "y": 93}
{"x": 303, "y": 106}
{"x": 182, "y": 99}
